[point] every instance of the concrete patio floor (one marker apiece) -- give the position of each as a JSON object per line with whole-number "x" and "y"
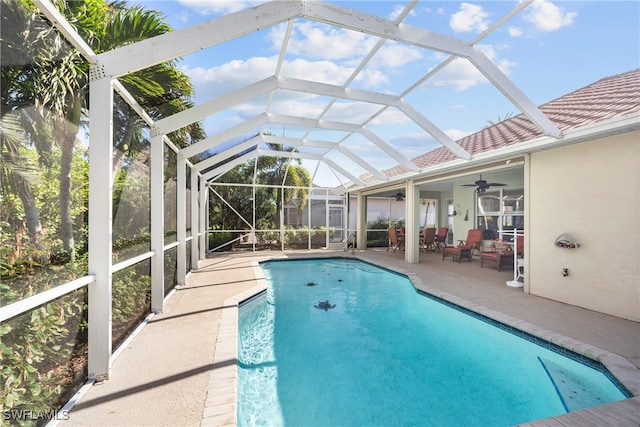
{"x": 163, "y": 376}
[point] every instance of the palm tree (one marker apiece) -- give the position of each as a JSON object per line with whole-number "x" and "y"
{"x": 17, "y": 172}
{"x": 500, "y": 119}
{"x": 282, "y": 173}
{"x": 58, "y": 85}
{"x": 16, "y": 175}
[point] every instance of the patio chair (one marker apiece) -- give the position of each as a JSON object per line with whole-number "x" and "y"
{"x": 499, "y": 254}
{"x": 465, "y": 248}
{"x": 394, "y": 241}
{"x": 428, "y": 239}
{"x": 441, "y": 237}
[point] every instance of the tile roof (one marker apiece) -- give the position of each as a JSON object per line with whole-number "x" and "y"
{"x": 613, "y": 96}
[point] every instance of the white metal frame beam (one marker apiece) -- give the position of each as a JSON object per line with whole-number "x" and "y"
{"x": 334, "y": 91}
{"x": 223, "y": 136}
{"x": 168, "y": 46}
{"x": 296, "y": 155}
{"x": 346, "y": 127}
{"x": 329, "y": 145}
{"x": 63, "y": 26}
{"x": 202, "y": 111}
{"x": 221, "y": 157}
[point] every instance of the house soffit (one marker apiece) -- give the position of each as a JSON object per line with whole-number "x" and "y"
{"x": 149, "y": 52}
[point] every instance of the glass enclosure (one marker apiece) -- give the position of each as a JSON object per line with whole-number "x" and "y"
{"x": 44, "y": 200}
{"x": 254, "y": 217}
{"x": 266, "y": 202}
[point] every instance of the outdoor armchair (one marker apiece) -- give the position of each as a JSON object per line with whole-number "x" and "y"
{"x": 465, "y": 248}
{"x": 499, "y": 254}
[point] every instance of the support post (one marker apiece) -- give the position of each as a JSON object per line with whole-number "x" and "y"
{"x": 361, "y": 224}
{"x": 157, "y": 223}
{"x": 181, "y": 214}
{"x": 204, "y": 203}
{"x": 327, "y": 219}
{"x": 100, "y": 228}
{"x": 412, "y": 216}
{"x": 195, "y": 214}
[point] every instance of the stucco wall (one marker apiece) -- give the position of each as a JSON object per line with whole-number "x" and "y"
{"x": 590, "y": 190}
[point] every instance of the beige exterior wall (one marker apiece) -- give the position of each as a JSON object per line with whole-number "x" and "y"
{"x": 590, "y": 190}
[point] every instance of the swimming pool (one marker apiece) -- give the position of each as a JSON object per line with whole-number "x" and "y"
{"x": 378, "y": 353}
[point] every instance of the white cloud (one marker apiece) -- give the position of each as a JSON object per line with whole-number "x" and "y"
{"x": 504, "y": 64}
{"x": 351, "y": 112}
{"x": 456, "y": 134}
{"x": 295, "y": 105}
{"x": 394, "y": 55}
{"x": 217, "y": 7}
{"x": 214, "y": 81}
{"x": 370, "y": 78}
{"x": 469, "y": 18}
{"x": 219, "y": 80}
{"x": 322, "y": 71}
{"x": 345, "y": 49}
{"x": 397, "y": 10}
{"x": 390, "y": 117}
{"x": 515, "y": 31}
{"x": 459, "y": 74}
{"x": 546, "y": 16}
{"x": 462, "y": 74}
{"x": 183, "y": 16}
{"x": 320, "y": 41}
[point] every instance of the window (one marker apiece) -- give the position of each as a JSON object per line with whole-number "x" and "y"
{"x": 500, "y": 210}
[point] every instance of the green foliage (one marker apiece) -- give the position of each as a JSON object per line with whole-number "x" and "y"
{"x": 30, "y": 266}
{"x": 43, "y": 355}
{"x": 220, "y": 238}
{"x": 380, "y": 238}
{"x": 131, "y": 300}
{"x": 382, "y": 223}
{"x": 44, "y": 186}
{"x": 267, "y": 201}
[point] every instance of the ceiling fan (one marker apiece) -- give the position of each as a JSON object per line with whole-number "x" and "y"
{"x": 482, "y": 185}
{"x": 399, "y": 196}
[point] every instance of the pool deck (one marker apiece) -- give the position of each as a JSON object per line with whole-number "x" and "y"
{"x": 180, "y": 369}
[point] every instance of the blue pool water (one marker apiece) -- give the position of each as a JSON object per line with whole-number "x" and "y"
{"x": 379, "y": 353}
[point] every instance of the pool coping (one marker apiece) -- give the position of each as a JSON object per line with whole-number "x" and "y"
{"x": 222, "y": 395}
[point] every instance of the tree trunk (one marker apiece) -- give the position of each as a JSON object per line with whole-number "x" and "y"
{"x": 66, "y": 223}
{"x": 34, "y": 227}
{"x": 72, "y": 124}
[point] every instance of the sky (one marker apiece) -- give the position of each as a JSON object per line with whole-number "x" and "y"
{"x": 547, "y": 50}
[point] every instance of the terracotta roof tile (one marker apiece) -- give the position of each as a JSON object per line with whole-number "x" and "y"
{"x": 609, "y": 97}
